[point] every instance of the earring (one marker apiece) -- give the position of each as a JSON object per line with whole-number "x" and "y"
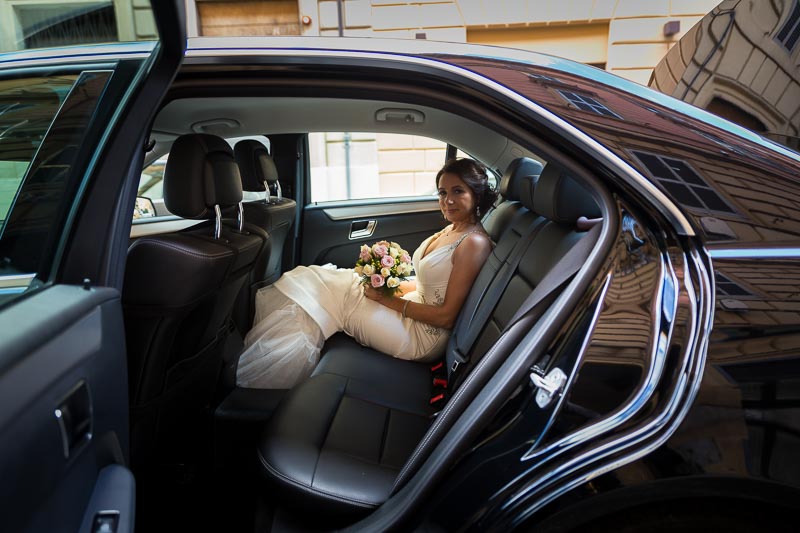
{"x": 478, "y": 211}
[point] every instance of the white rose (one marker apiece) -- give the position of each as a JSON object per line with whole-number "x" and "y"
{"x": 404, "y": 269}
{"x": 394, "y": 252}
{"x": 392, "y": 282}
{"x": 359, "y": 270}
{"x": 385, "y": 272}
{"x": 369, "y": 270}
{"x": 394, "y": 245}
{"x": 365, "y": 248}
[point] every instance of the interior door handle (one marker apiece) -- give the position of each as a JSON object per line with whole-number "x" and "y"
{"x": 74, "y": 416}
{"x": 362, "y": 228}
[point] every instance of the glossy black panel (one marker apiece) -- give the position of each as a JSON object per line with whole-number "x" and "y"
{"x": 736, "y": 191}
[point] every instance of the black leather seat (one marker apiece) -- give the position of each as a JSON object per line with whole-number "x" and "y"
{"x": 498, "y": 218}
{"x": 275, "y": 215}
{"x": 178, "y": 296}
{"x": 340, "y": 441}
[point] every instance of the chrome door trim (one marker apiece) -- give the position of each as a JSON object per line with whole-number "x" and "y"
{"x": 379, "y": 210}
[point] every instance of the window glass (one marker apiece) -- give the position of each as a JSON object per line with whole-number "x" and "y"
{"x": 43, "y": 24}
{"x": 351, "y": 165}
{"x": 151, "y": 182}
{"x": 27, "y": 107}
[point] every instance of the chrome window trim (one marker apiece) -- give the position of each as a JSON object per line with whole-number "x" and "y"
{"x": 754, "y": 253}
{"x": 67, "y": 55}
{"x": 630, "y": 174}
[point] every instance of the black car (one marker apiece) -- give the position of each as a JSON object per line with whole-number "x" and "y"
{"x": 626, "y": 360}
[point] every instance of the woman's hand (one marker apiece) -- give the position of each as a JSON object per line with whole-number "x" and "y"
{"x": 376, "y": 295}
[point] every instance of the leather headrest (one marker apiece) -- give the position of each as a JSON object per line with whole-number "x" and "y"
{"x": 562, "y": 199}
{"x": 517, "y": 169}
{"x": 200, "y": 173}
{"x": 526, "y": 187}
{"x": 255, "y": 165}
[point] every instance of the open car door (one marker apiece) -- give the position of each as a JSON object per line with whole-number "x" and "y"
{"x": 73, "y": 123}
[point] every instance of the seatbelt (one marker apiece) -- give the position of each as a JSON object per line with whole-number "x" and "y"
{"x": 485, "y": 309}
{"x": 559, "y": 274}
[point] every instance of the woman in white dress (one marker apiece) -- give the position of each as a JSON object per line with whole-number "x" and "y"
{"x": 307, "y": 305}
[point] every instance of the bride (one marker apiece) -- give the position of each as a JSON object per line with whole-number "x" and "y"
{"x": 296, "y": 314}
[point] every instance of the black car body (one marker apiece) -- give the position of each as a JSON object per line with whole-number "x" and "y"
{"x": 678, "y": 337}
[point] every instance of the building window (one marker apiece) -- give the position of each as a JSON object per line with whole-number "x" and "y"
{"x": 789, "y": 33}
{"x": 684, "y": 184}
{"x": 46, "y": 25}
{"x": 728, "y": 287}
{"x": 587, "y": 103}
{"x": 541, "y": 77}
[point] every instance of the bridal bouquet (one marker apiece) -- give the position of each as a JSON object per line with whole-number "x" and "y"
{"x": 384, "y": 264}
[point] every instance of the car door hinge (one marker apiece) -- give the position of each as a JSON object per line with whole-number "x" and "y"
{"x": 549, "y": 385}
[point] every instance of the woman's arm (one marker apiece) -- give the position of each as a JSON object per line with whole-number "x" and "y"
{"x": 468, "y": 258}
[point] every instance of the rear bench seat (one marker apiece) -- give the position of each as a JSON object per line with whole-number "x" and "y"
{"x": 338, "y": 441}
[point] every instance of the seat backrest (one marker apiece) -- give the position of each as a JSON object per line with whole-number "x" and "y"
{"x": 498, "y": 218}
{"x": 547, "y": 231}
{"x": 276, "y": 215}
{"x": 180, "y": 288}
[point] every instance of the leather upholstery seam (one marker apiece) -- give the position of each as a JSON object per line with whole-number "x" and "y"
{"x": 311, "y": 490}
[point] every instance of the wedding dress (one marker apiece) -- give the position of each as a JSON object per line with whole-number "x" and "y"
{"x": 295, "y": 315}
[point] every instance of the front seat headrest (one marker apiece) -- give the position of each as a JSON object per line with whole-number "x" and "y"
{"x": 255, "y": 165}
{"x": 517, "y": 169}
{"x": 560, "y": 198}
{"x": 201, "y": 173}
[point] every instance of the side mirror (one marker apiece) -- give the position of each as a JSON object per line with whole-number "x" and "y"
{"x": 144, "y": 208}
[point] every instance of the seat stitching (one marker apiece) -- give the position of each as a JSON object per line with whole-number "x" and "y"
{"x": 312, "y": 490}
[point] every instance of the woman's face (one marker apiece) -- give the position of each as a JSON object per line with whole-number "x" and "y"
{"x": 456, "y": 199}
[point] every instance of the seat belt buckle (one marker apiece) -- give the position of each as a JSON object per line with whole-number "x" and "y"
{"x": 440, "y": 382}
{"x": 454, "y": 367}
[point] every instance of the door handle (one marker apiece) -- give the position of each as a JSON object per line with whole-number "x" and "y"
{"x": 362, "y": 228}
{"x": 74, "y": 416}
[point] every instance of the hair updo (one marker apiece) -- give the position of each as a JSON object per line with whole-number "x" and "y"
{"x": 474, "y": 175}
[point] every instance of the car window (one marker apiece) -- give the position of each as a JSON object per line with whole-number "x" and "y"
{"x": 27, "y": 108}
{"x": 352, "y": 166}
{"x": 151, "y": 183}
{"x": 49, "y": 123}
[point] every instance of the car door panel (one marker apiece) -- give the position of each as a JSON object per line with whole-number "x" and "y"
{"x": 333, "y": 233}
{"x": 63, "y": 368}
{"x": 66, "y": 345}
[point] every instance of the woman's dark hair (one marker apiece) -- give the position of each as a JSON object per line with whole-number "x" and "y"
{"x": 474, "y": 175}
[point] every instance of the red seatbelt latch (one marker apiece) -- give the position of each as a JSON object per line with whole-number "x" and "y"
{"x": 440, "y": 382}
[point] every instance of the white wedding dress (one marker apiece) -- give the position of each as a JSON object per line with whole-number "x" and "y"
{"x": 295, "y": 315}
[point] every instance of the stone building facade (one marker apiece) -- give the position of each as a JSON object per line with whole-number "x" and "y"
{"x": 627, "y": 37}
{"x": 741, "y": 62}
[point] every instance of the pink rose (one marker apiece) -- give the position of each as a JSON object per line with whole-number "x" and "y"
{"x": 405, "y": 258}
{"x": 387, "y": 261}
{"x": 380, "y": 250}
{"x": 376, "y": 280}
{"x": 365, "y": 255}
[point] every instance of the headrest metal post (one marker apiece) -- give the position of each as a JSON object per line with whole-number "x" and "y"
{"x": 217, "y": 222}
{"x": 241, "y": 217}
{"x": 278, "y": 190}
{"x": 266, "y": 188}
